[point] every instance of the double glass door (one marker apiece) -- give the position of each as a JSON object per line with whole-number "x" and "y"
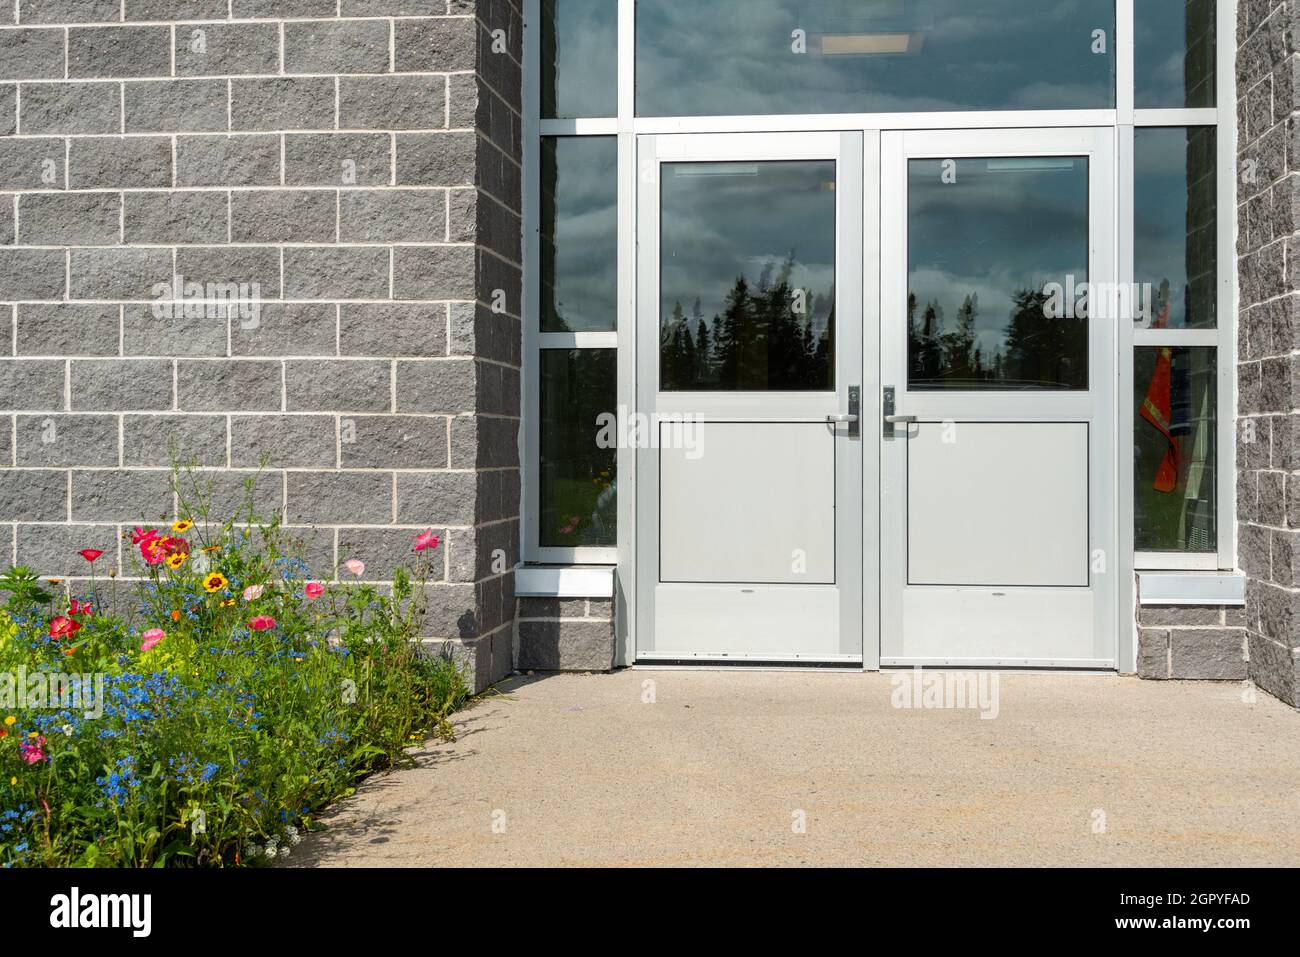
{"x": 877, "y": 407}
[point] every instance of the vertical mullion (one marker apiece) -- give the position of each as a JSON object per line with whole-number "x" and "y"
{"x": 1125, "y": 58}
{"x": 530, "y": 434}
{"x": 625, "y": 639}
{"x": 1225, "y": 138}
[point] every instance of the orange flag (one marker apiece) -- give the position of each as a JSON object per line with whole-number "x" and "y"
{"x": 1157, "y": 409}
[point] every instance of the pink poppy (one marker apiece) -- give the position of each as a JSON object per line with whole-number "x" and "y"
{"x": 142, "y": 535}
{"x": 314, "y": 590}
{"x": 262, "y": 623}
{"x": 80, "y": 608}
{"x": 90, "y": 554}
{"x": 425, "y": 539}
{"x": 32, "y": 751}
{"x": 152, "y": 637}
{"x": 253, "y": 592}
{"x": 356, "y": 567}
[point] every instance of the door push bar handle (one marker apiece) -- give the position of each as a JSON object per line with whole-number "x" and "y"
{"x": 853, "y": 417}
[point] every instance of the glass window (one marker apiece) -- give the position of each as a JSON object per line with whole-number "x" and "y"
{"x": 997, "y": 258}
{"x": 1174, "y": 449}
{"x": 579, "y": 58}
{"x": 747, "y": 278}
{"x": 729, "y": 57}
{"x": 1174, "y": 53}
{"x": 578, "y": 494}
{"x": 1175, "y": 226}
{"x": 579, "y": 232}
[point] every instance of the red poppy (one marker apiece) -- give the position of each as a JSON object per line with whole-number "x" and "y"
{"x": 63, "y": 626}
{"x": 142, "y": 535}
{"x": 80, "y": 608}
{"x": 90, "y": 554}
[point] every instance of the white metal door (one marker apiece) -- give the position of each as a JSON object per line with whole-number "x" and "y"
{"x": 998, "y": 338}
{"x": 749, "y": 373}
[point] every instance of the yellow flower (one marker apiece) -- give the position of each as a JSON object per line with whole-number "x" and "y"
{"x": 176, "y": 559}
{"x": 11, "y": 721}
{"x": 215, "y": 582}
{"x": 184, "y": 525}
{"x": 227, "y": 602}
{"x": 33, "y": 734}
{"x": 211, "y": 549}
{"x": 13, "y": 781}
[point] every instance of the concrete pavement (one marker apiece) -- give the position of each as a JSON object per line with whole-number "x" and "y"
{"x": 796, "y": 768}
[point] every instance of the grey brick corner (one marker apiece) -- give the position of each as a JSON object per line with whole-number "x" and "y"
{"x": 1268, "y": 442}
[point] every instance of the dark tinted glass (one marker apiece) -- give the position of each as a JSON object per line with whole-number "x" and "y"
{"x": 996, "y": 251}
{"x": 579, "y": 58}
{"x": 1174, "y": 55}
{"x": 1174, "y": 449}
{"x": 578, "y": 496}
{"x": 1175, "y": 229}
{"x": 747, "y": 294}
{"x": 579, "y": 233}
{"x": 725, "y": 57}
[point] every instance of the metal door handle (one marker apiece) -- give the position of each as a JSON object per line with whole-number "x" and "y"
{"x": 841, "y": 418}
{"x": 900, "y": 419}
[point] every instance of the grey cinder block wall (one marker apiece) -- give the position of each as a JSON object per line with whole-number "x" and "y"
{"x": 1268, "y": 253}
{"x": 353, "y": 167}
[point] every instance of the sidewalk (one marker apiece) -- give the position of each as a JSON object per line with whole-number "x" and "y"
{"x": 724, "y": 766}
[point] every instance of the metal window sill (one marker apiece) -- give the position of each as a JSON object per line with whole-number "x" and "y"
{"x": 1191, "y": 588}
{"x": 564, "y": 581}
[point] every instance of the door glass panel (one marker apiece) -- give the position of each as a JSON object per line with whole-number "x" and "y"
{"x": 1174, "y": 53}
{"x": 579, "y": 234}
{"x": 1174, "y": 449}
{"x": 1175, "y": 225}
{"x": 747, "y": 276}
{"x": 731, "y": 57}
{"x": 997, "y": 266}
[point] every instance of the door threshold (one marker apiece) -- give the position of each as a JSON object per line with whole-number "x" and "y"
{"x": 757, "y": 664}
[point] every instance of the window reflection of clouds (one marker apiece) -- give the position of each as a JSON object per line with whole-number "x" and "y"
{"x": 993, "y": 234}
{"x": 1173, "y": 61}
{"x": 735, "y": 57}
{"x": 580, "y": 69}
{"x": 716, "y": 228}
{"x": 1167, "y": 212}
{"x": 582, "y": 175}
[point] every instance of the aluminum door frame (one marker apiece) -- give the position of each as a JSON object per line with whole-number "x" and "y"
{"x": 857, "y": 632}
{"x": 1097, "y": 406}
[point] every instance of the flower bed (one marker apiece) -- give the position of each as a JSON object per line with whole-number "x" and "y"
{"x": 200, "y": 714}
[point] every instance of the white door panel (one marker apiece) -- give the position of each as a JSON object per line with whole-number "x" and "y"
{"x": 998, "y": 529}
{"x": 997, "y": 503}
{"x": 750, "y": 537}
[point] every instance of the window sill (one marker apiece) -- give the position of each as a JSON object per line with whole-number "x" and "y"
{"x": 564, "y": 581}
{"x": 1191, "y": 588}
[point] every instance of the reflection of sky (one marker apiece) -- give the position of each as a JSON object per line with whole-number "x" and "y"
{"x": 586, "y": 53}
{"x": 994, "y": 233}
{"x": 715, "y": 228}
{"x": 1160, "y": 200}
{"x": 586, "y": 231}
{"x": 1160, "y": 33}
{"x": 735, "y": 56}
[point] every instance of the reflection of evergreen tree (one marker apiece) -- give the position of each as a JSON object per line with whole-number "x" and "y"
{"x": 764, "y": 339}
{"x": 1036, "y": 351}
{"x": 1041, "y": 351}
